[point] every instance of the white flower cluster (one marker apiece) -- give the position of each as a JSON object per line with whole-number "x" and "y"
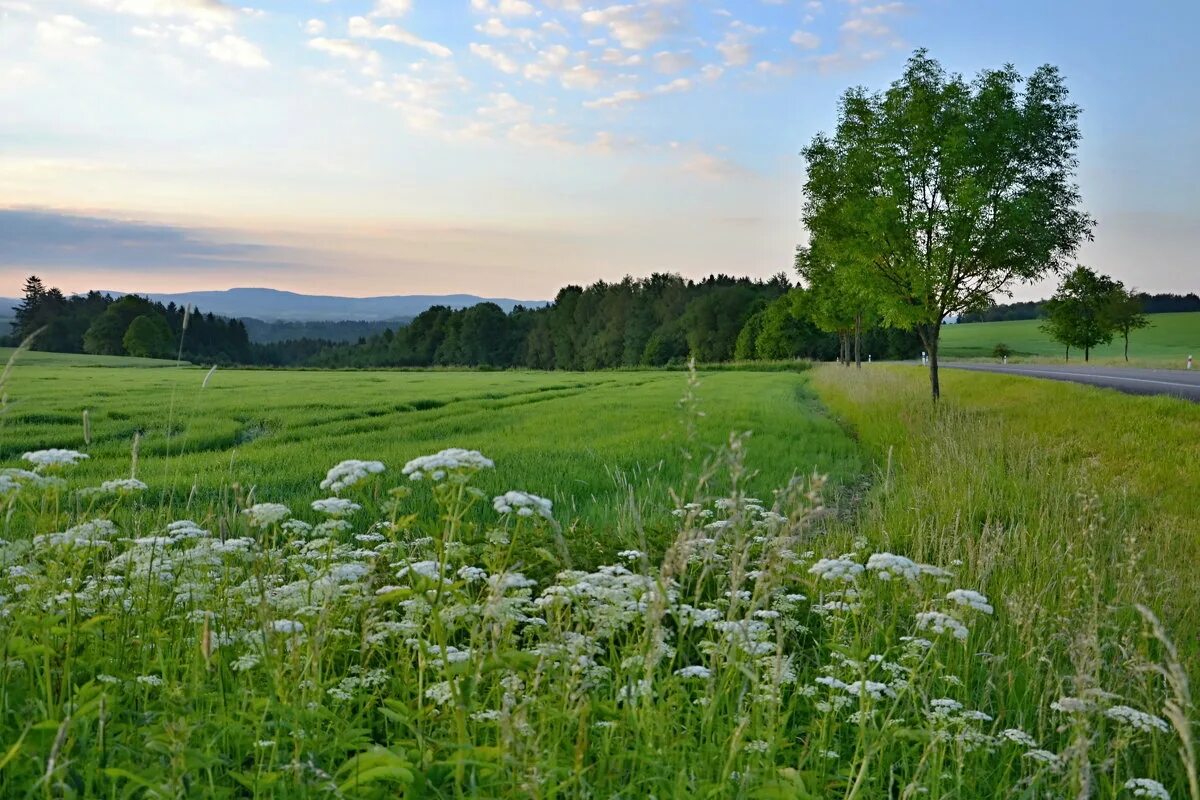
{"x": 887, "y": 565}
{"x": 335, "y": 506}
{"x": 970, "y": 599}
{"x": 454, "y": 459}
{"x": 1145, "y": 787}
{"x": 1139, "y": 720}
{"x": 122, "y": 486}
{"x": 263, "y": 515}
{"x": 523, "y": 504}
{"x": 54, "y": 457}
{"x": 349, "y": 472}
{"x": 836, "y": 569}
{"x": 938, "y": 622}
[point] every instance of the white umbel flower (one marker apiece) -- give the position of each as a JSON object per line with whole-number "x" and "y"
{"x": 888, "y": 565}
{"x": 970, "y": 599}
{"x": 938, "y": 622}
{"x": 335, "y": 506}
{"x": 453, "y": 459}
{"x": 836, "y": 569}
{"x": 54, "y": 457}
{"x": 523, "y": 504}
{"x": 262, "y": 515}
{"x": 1137, "y": 719}
{"x": 349, "y": 472}
{"x": 1145, "y": 787}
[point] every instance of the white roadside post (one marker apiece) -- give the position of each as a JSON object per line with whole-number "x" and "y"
{"x": 1189, "y": 366}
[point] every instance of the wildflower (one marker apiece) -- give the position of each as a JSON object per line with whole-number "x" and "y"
{"x": 756, "y": 746}
{"x": 694, "y": 672}
{"x": 454, "y": 459}
{"x": 887, "y": 565}
{"x": 439, "y": 693}
{"x": 938, "y": 622}
{"x": 122, "y": 486}
{"x": 524, "y": 504}
{"x": 631, "y": 555}
{"x": 264, "y": 743}
{"x": 335, "y": 506}
{"x": 349, "y": 472}
{"x": 150, "y": 680}
{"x": 874, "y": 689}
{"x": 472, "y": 574}
{"x": 54, "y": 457}
{"x": 1137, "y": 719}
{"x": 426, "y": 569}
{"x": 287, "y": 626}
{"x": 262, "y": 515}
{"x": 1043, "y": 756}
{"x": 970, "y": 599}
{"x": 1071, "y": 705}
{"x": 1144, "y": 787}
{"x": 834, "y": 569}
{"x": 944, "y": 707}
{"x": 1019, "y": 737}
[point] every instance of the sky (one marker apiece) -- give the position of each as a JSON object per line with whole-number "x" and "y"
{"x": 510, "y": 147}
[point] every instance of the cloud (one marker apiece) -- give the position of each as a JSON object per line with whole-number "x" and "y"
{"x": 391, "y": 8}
{"x": 805, "y": 40}
{"x": 363, "y": 28}
{"x": 495, "y": 57}
{"x": 32, "y": 237}
{"x": 314, "y": 27}
{"x": 64, "y": 29}
{"x": 505, "y": 8}
{"x": 635, "y": 27}
{"x": 625, "y": 96}
{"x": 212, "y": 11}
{"x": 235, "y": 50}
{"x": 496, "y": 28}
{"x": 670, "y": 63}
{"x": 349, "y": 50}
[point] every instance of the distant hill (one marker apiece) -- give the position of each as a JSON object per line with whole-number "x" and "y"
{"x": 273, "y": 305}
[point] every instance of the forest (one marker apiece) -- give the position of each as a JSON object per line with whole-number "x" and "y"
{"x": 659, "y": 320}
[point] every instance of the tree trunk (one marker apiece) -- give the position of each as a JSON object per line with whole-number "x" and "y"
{"x": 858, "y": 340}
{"x": 1068, "y": 356}
{"x": 1086, "y": 350}
{"x": 1127, "y": 344}
{"x": 929, "y": 337}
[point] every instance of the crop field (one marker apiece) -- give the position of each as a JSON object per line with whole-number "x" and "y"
{"x": 1167, "y": 342}
{"x": 605, "y": 596}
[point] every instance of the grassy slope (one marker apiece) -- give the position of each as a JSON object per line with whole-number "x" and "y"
{"x": 1167, "y": 342}
{"x": 564, "y": 435}
{"x": 1003, "y": 475}
{"x": 31, "y": 358}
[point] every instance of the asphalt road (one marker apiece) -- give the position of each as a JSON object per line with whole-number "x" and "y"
{"x": 1178, "y": 383}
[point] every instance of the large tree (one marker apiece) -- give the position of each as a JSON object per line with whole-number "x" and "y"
{"x": 938, "y": 192}
{"x": 1127, "y": 313}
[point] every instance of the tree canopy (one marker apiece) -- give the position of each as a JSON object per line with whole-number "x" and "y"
{"x": 938, "y": 193}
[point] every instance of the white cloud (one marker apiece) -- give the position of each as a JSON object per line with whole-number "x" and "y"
{"x": 314, "y": 27}
{"x": 669, "y": 63}
{"x": 235, "y": 50}
{"x": 634, "y": 27}
{"x": 805, "y": 40}
{"x": 505, "y": 8}
{"x": 391, "y": 8}
{"x": 735, "y": 50}
{"x": 495, "y": 27}
{"x": 363, "y": 28}
{"x": 710, "y": 72}
{"x": 625, "y": 96}
{"x": 213, "y": 11}
{"x": 343, "y": 48}
{"x": 64, "y": 29}
{"x": 495, "y": 57}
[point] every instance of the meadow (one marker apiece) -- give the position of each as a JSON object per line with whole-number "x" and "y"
{"x": 1167, "y": 342}
{"x": 613, "y": 592}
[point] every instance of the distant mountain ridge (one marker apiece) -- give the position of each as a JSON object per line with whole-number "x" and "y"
{"x": 271, "y": 305}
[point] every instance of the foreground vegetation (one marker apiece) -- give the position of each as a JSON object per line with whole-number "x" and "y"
{"x": 1166, "y": 342}
{"x": 431, "y": 628}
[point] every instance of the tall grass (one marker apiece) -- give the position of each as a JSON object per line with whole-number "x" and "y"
{"x": 423, "y": 638}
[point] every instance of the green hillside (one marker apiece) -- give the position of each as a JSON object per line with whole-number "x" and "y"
{"x": 1166, "y": 342}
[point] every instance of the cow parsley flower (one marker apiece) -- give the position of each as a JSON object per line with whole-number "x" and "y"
{"x": 887, "y": 565}
{"x": 1018, "y": 736}
{"x": 1137, "y": 719}
{"x": 836, "y": 569}
{"x": 1144, "y": 787}
{"x": 288, "y": 626}
{"x": 523, "y": 504}
{"x": 262, "y": 515}
{"x": 454, "y": 459}
{"x": 970, "y": 599}
{"x": 694, "y": 672}
{"x": 54, "y": 457}
{"x": 335, "y": 506}
{"x": 1071, "y": 705}
{"x": 938, "y": 622}
{"x": 122, "y": 486}
{"x": 1043, "y": 756}
{"x": 349, "y": 472}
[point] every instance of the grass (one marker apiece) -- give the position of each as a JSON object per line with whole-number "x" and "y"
{"x": 431, "y": 644}
{"x": 585, "y": 440}
{"x": 1167, "y": 342}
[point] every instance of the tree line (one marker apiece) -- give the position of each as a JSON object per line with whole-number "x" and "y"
{"x": 660, "y": 320}
{"x": 1162, "y": 303}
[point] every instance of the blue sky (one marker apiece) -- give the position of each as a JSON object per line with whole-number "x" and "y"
{"x": 508, "y": 147}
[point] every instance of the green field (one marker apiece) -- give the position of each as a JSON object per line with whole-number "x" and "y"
{"x": 964, "y": 626}
{"x": 1167, "y": 342}
{"x": 581, "y": 439}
